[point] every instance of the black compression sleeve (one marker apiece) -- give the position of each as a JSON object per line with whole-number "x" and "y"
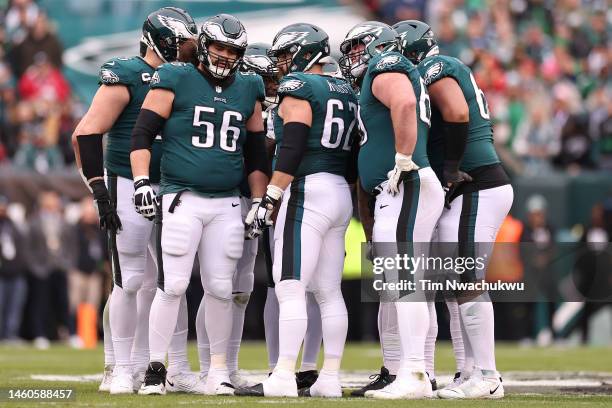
{"x": 255, "y": 154}
{"x": 455, "y": 138}
{"x": 147, "y": 127}
{"x": 292, "y": 148}
{"x": 92, "y": 158}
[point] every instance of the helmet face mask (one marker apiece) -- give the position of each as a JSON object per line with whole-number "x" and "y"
{"x": 166, "y": 29}
{"x": 221, "y": 45}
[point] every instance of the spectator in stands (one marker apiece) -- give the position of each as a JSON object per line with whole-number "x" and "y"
{"x": 13, "y": 287}
{"x": 85, "y": 279}
{"x": 21, "y": 15}
{"x": 40, "y": 38}
{"x": 8, "y": 102}
{"x": 51, "y": 255}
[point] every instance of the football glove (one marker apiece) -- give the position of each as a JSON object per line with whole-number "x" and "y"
{"x": 109, "y": 220}
{"x": 250, "y": 232}
{"x": 453, "y": 178}
{"x": 403, "y": 166}
{"x": 263, "y": 215}
{"x": 144, "y": 198}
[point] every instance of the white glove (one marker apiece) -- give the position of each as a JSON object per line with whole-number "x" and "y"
{"x": 403, "y": 166}
{"x": 252, "y": 233}
{"x": 144, "y": 197}
{"x": 263, "y": 215}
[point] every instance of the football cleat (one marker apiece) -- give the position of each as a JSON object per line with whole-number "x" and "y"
{"x": 187, "y": 382}
{"x": 122, "y": 382}
{"x": 413, "y": 385}
{"x": 218, "y": 383}
{"x": 326, "y": 386}
{"x": 155, "y": 379}
{"x": 458, "y": 379}
{"x": 305, "y": 379}
{"x": 281, "y": 383}
{"x": 378, "y": 381}
{"x": 485, "y": 384}
{"x": 239, "y": 381}
{"x": 138, "y": 379}
{"x": 107, "y": 377}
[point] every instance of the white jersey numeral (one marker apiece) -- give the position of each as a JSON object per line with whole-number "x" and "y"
{"x": 228, "y": 134}
{"x": 331, "y": 139}
{"x": 424, "y": 104}
{"x": 483, "y": 107}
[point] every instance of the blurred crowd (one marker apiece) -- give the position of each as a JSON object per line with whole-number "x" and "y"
{"x": 37, "y": 113}
{"x": 544, "y": 66}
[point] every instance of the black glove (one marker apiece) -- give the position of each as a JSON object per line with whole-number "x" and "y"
{"x": 453, "y": 178}
{"x": 109, "y": 220}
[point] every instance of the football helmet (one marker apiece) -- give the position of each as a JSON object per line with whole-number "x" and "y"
{"x": 416, "y": 40}
{"x": 305, "y": 43}
{"x": 375, "y": 37}
{"x": 228, "y": 31}
{"x": 165, "y": 29}
{"x": 256, "y": 60}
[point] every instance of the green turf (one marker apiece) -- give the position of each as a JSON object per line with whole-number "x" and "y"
{"x": 17, "y": 364}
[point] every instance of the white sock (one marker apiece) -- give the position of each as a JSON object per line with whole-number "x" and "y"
{"x": 271, "y": 327}
{"x": 218, "y": 319}
{"x": 477, "y": 316}
{"x": 314, "y": 334}
{"x": 162, "y": 323}
{"x": 455, "y": 332}
{"x": 177, "y": 351}
{"x": 123, "y": 324}
{"x": 334, "y": 320}
{"x": 414, "y": 318}
{"x": 292, "y": 321}
{"x": 468, "y": 363}
{"x": 389, "y": 336}
{"x": 202, "y": 338}
{"x": 430, "y": 342}
{"x": 239, "y": 305}
{"x": 140, "y": 349}
{"x": 109, "y": 354}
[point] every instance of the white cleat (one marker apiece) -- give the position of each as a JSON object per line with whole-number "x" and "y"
{"x": 481, "y": 385}
{"x": 187, "y": 382}
{"x": 239, "y": 381}
{"x": 458, "y": 379}
{"x": 122, "y": 382}
{"x": 281, "y": 383}
{"x": 326, "y": 386}
{"x": 107, "y": 377}
{"x": 413, "y": 385}
{"x": 157, "y": 389}
{"x": 138, "y": 379}
{"x": 218, "y": 383}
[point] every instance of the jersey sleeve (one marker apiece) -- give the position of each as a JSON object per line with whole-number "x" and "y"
{"x": 167, "y": 76}
{"x": 390, "y": 62}
{"x": 435, "y": 68}
{"x": 115, "y": 72}
{"x": 296, "y": 86}
{"x": 260, "y": 89}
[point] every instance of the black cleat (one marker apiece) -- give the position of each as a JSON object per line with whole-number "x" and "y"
{"x": 305, "y": 379}
{"x": 304, "y": 392}
{"x": 378, "y": 381}
{"x": 253, "y": 391}
{"x": 155, "y": 379}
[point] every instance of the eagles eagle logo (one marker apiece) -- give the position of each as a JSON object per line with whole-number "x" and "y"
{"x": 291, "y": 85}
{"x": 108, "y": 76}
{"x": 387, "y": 61}
{"x": 288, "y": 38}
{"x": 432, "y": 72}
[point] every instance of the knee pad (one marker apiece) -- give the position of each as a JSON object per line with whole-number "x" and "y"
{"x": 219, "y": 288}
{"x": 132, "y": 284}
{"x": 241, "y": 299}
{"x": 176, "y": 287}
{"x": 290, "y": 289}
{"x": 233, "y": 241}
{"x": 175, "y": 236}
{"x": 331, "y": 302}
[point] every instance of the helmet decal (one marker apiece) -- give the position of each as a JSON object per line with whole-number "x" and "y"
{"x": 178, "y": 27}
{"x": 215, "y": 32}
{"x": 288, "y": 38}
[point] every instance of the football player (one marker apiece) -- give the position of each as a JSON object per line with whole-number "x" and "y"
{"x": 212, "y": 128}
{"x": 393, "y": 167}
{"x": 479, "y": 194}
{"x": 317, "y": 115}
{"x": 123, "y": 85}
{"x": 256, "y": 59}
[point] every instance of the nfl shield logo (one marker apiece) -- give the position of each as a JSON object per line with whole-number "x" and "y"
{"x": 219, "y": 89}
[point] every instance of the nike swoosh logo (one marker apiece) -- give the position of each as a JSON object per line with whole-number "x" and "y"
{"x": 428, "y": 62}
{"x": 383, "y": 206}
{"x": 169, "y": 383}
{"x": 235, "y": 205}
{"x": 493, "y": 391}
{"x": 110, "y": 63}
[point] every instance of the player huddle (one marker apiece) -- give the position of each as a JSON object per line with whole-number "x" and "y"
{"x": 213, "y": 142}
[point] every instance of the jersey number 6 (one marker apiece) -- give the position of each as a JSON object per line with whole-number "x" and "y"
{"x": 228, "y": 134}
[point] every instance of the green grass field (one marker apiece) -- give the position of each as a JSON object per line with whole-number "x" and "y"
{"x": 17, "y": 365}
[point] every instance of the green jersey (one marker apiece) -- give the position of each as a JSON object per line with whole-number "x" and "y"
{"x": 479, "y": 150}
{"x": 334, "y": 118}
{"x": 377, "y": 153}
{"x": 204, "y": 135}
{"x": 135, "y": 74}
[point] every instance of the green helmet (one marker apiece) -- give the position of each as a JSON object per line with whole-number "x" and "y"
{"x": 417, "y": 40}
{"x": 165, "y": 29}
{"x": 256, "y": 60}
{"x": 375, "y": 37}
{"x": 228, "y": 31}
{"x": 306, "y": 43}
